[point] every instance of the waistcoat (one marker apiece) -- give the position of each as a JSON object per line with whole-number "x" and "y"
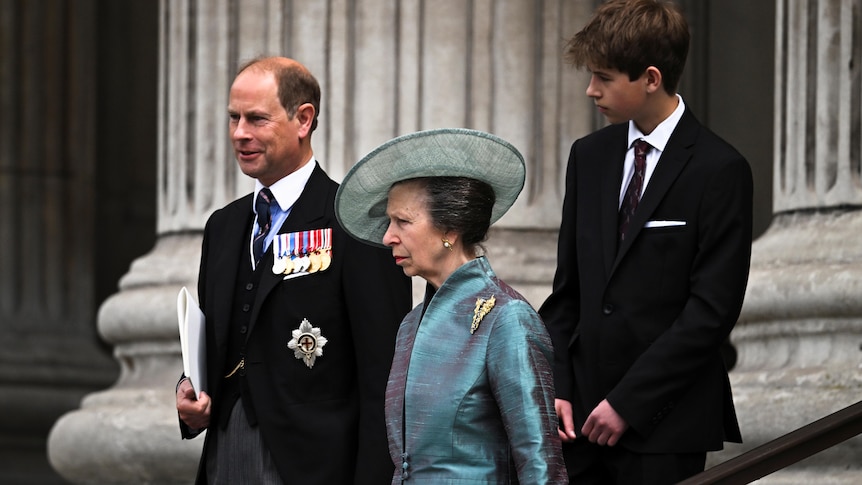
{"x": 235, "y": 387}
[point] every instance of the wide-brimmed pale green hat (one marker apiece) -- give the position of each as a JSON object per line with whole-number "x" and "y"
{"x": 360, "y": 203}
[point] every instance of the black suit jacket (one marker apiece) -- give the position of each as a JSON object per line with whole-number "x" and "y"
{"x": 642, "y": 324}
{"x": 323, "y": 424}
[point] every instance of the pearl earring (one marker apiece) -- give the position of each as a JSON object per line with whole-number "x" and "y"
{"x": 447, "y": 244}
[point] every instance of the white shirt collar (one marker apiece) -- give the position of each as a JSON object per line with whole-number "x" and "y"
{"x": 288, "y": 189}
{"x": 661, "y": 134}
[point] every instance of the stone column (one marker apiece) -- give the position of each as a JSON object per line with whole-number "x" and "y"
{"x": 800, "y": 334}
{"x": 50, "y": 355}
{"x": 129, "y": 432}
{"x": 386, "y": 68}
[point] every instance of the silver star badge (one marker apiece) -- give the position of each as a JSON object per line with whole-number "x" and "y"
{"x": 307, "y": 343}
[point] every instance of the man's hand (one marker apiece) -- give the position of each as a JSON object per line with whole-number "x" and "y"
{"x": 604, "y": 426}
{"x": 194, "y": 412}
{"x": 564, "y": 414}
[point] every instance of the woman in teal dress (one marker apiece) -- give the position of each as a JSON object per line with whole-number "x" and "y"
{"x": 470, "y": 398}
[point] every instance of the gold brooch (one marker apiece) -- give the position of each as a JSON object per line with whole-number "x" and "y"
{"x": 307, "y": 343}
{"x": 482, "y": 309}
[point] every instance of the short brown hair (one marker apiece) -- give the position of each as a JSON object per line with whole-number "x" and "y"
{"x": 630, "y": 36}
{"x": 296, "y": 84}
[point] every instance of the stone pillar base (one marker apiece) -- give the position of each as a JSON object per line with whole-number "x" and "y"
{"x": 130, "y": 432}
{"x": 773, "y": 403}
{"x": 799, "y": 341}
{"x": 124, "y": 436}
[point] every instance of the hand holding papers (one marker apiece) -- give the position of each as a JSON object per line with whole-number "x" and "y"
{"x": 192, "y": 340}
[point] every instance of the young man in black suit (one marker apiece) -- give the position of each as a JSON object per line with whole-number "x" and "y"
{"x": 300, "y": 317}
{"x": 653, "y": 259}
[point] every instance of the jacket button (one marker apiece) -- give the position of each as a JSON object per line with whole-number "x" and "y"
{"x": 607, "y": 309}
{"x": 405, "y": 474}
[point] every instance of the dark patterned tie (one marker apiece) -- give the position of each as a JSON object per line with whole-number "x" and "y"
{"x": 264, "y": 220}
{"x": 633, "y": 191}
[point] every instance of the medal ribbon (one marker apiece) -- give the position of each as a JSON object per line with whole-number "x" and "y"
{"x": 280, "y": 246}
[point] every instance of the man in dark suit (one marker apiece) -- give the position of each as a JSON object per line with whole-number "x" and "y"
{"x": 300, "y": 318}
{"x": 653, "y": 259}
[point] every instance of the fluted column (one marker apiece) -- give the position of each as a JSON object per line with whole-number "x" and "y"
{"x": 386, "y": 68}
{"x": 800, "y": 334}
{"x": 131, "y": 429}
{"x": 49, "y": 354}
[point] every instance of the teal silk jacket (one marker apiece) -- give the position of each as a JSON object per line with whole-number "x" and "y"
{"x": 476, "y": 408}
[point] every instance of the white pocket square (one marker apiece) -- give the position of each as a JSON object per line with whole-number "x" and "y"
{"x": 664, "y": 223}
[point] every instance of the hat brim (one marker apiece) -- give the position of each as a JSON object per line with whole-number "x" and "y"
{"x": 360, "y": 204}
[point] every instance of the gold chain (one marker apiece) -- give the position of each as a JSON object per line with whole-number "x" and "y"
{"x": 239, "y": 366}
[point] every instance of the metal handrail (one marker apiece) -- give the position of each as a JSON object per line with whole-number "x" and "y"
{"x": 785, "y": 450}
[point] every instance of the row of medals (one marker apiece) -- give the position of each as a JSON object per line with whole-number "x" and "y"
{"x": 312, "y": 262}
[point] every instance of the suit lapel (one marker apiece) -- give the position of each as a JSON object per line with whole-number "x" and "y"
{"x": 612, "y": 174}
{"x": 395, "y": 389}
{"x": 673, "y": 159}
{"x": 308, "y": 208}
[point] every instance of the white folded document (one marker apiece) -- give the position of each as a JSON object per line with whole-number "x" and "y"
{"x": 193, "y": 341}
{"x": 664, "y": 223}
